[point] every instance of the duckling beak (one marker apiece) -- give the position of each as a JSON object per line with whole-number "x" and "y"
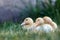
{"x": 22, "y": 24}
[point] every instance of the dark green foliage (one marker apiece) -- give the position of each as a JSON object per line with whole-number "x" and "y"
{"x": 47, "y": 9}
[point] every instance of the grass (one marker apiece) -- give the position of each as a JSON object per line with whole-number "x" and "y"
{"x": 13, "y": 31}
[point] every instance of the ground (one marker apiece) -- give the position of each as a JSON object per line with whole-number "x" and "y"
{"x": 14, "y": 32}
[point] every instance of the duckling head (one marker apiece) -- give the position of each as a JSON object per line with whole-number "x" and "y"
{"x": 27, "y": 22}
{"x": 47, "y": 20}
{"x": 39, "y": 21}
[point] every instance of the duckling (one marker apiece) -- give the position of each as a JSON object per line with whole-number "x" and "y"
{"x": 41, "y": 26}
{"x": 38, "y": 24}
{"x": 28, "y": 24}
{"x": 48, "y": 20}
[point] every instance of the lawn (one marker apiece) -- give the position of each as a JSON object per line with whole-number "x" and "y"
{"x": 13, "y": 31}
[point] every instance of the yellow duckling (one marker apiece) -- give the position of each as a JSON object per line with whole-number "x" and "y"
{"x": 28, "y": 24}
{"x": 41, "y": 26}
{"x": 38, "y": 24}
{"x": 48, "y": 20}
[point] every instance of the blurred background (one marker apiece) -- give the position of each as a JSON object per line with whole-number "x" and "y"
{"x": 17, "y": 10}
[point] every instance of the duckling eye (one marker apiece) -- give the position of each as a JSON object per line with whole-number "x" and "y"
{"x": 26, "y": 19}
{"x": 38, "y": 20}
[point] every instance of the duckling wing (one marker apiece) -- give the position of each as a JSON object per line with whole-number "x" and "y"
{"x": 47, "y": 28}
{"x": 55, "y": 25}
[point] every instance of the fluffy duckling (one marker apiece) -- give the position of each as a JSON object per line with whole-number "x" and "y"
{"x": 27, "y": 24}
{"x": 48, "y": 20}
{"x": 40, "y": 26}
